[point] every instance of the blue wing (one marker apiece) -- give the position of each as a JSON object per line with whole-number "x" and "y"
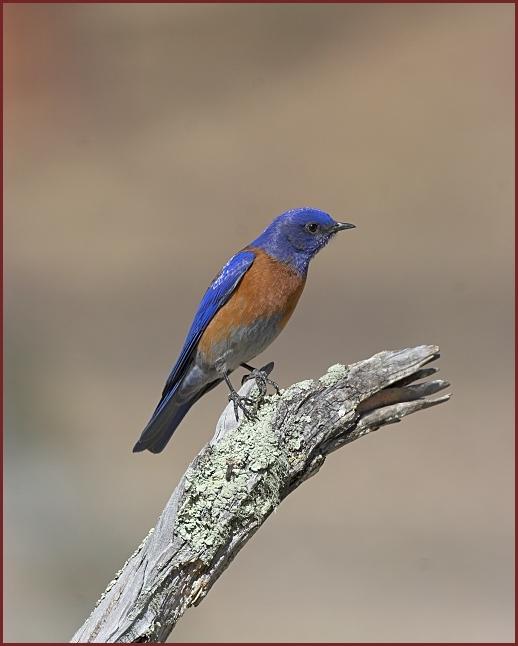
{"x": 215, "y": 297}
{"x": 170, "y": 412}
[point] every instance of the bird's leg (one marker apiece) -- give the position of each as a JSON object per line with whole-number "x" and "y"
{"x": 261, "y": 376}
{"x": 239, "y": 402}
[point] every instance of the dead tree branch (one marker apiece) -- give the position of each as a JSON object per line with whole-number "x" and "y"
{"x": 241, "y": 476}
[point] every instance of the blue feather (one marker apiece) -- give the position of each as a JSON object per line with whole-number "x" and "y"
{"x": 170, "y": 412}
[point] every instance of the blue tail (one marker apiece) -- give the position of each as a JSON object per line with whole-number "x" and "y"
{"x": 166, "y": 419}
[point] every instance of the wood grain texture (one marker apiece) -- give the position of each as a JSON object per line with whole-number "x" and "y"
{"x": 241, "y": 476}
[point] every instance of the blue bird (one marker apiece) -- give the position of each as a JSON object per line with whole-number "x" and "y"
{"x": 244, "y": 309}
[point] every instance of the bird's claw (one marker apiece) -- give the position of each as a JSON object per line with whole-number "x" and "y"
{"x": 243, "y": 403}
{"x": 262, "y": 380}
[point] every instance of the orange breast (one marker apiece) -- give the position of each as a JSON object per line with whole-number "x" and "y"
{"x": 269, "y": 289}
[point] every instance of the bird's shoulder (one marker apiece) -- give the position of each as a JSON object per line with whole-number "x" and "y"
{"x": 231, "y": 272}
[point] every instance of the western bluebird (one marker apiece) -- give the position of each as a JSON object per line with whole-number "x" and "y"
{"x": 242, "y": 312}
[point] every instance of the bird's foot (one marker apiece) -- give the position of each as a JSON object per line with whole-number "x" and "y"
{"x": 262, "y": 379}
{"x": 243, "y": 403}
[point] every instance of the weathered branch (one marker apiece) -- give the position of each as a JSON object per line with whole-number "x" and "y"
{"x": 237, "y": 480}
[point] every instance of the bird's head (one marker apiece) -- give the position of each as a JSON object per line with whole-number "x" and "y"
{"x": 297, "y": 235}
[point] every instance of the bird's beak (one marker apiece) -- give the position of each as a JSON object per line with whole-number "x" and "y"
{"x": 341, "y": 226}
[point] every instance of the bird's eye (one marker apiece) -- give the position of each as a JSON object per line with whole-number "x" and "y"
{"x": 312, "y": 227}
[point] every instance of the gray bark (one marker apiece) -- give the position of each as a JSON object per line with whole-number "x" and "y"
{"x": 241, "y": 476}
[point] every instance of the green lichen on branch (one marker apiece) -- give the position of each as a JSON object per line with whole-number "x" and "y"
{"x": 294, "y": 390}
{"x": 334, "y": 374}
{"x": 236, "y": 481}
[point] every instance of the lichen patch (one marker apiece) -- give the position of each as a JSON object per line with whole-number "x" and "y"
{"x": 334, "y": 374}
{"x": 241, "y": 473}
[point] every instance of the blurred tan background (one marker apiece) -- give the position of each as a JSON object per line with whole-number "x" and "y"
{"x": 144, "y": 144}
